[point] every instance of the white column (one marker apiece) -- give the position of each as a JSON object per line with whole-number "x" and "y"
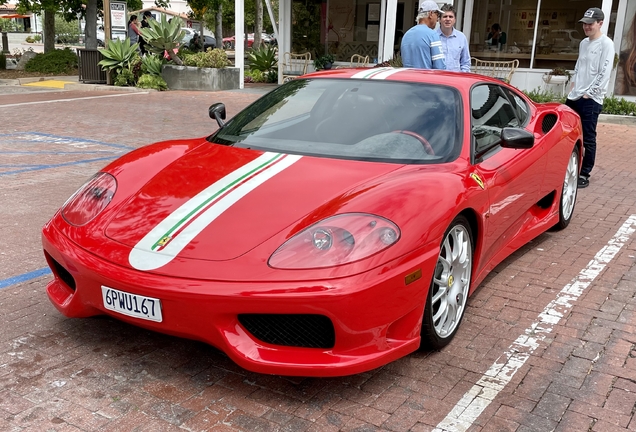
{"x": 239, "y": 39}
{"x": 284, "y": 32}
{"x": 607, "y": 10}
{"x": 468, "y": 21}
{"x": 382, "y": 31}
{"x": 389, "y": 32}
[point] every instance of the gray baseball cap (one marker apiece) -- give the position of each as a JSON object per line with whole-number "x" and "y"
{"x": 592, "y": 15}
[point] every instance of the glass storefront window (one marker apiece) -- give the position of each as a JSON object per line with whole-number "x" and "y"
{"x": 339, "y": 27}
{"x": 556, "y": 28}
{"x": 626, "y": 70}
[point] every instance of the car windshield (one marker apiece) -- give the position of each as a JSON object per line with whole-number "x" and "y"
{"x": 370, "y": 120}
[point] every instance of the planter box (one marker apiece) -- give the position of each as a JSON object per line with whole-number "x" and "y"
{"x": 206, "y": 79}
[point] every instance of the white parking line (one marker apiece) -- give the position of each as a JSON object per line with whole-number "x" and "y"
{"x": 475, "y": 401}
{"x": 71, "y": 100}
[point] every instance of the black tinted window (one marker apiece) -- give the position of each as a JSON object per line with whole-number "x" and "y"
{"x": 353, "y": 119}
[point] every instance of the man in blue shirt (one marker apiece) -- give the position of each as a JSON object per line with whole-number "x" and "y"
{"x": 421, "y": 47}
{"x": 454, "y": 43}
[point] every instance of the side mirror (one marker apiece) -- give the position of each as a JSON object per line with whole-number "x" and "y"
{"x": 516, "y": 138}
{"x": 217, "y": 112}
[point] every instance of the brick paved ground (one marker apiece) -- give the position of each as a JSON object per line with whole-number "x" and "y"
{"x": 59, "y": 374}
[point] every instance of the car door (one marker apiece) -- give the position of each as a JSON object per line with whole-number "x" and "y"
{"x": 512, "y": 177}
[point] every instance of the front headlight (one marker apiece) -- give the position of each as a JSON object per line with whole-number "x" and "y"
{"x": 90, "y": 200}
{"x": 337, "y": 240}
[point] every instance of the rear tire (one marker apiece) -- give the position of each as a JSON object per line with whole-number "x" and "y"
{"x": 569, "y": 191}
{"x": 450, "y": 285}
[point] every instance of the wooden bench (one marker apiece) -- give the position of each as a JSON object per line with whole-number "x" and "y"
{"x": 502, "y": 70}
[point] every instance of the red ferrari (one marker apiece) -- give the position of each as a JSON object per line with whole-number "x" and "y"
{"x": 338, "y": 223}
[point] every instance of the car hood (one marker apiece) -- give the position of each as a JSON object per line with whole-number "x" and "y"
{"x": 217, "y": 203}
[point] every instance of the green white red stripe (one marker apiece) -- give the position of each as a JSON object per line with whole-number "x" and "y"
{"x": 165, "y": 241}
{"x": 377, "y": 73}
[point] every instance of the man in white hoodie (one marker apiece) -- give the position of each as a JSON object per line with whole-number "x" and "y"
{"x": 590, "y": 81}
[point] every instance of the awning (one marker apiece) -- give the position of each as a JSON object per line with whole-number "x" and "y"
{"x": 15, "y": 16}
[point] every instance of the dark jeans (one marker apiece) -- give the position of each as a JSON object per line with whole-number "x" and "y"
{"x": 589, "y": 111}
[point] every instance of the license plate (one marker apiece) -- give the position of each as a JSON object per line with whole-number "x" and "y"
{"x": 133, "y": 305}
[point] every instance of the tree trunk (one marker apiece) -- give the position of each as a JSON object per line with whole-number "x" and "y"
{"x": 218, "y": 31}
{"x": 49, "y": 30}
{"x": 174, "y": 57}
{"x": 90, "y": 31}
{"x": 258, "y": 31}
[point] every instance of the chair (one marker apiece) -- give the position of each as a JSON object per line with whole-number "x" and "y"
{"x": 502, "y": 70}
{"x": 359, "y": 61}
{"x": 295, "y": 65}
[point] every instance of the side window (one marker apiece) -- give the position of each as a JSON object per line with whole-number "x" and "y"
{"x": 521, "y": 107}
{"x": 491, "y": 112}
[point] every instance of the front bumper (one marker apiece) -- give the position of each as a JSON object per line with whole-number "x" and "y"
{"x": 376, "y": 316}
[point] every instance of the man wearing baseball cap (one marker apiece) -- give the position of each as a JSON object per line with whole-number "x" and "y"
{"x": 421, "y": 47}
{"x": 590, "y": 81}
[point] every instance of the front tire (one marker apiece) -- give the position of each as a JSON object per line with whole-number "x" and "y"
{"x": 569, "y": 191}
{"x": 447, "y": 295}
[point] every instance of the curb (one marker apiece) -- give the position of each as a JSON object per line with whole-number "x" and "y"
{"x": 617, "y": 119}
{"x": 104, "y": 87}
{"x": 29, "y": 80}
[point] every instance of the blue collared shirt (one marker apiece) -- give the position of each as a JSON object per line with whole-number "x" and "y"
{"x": 455, "y": 49}
{"x": 421, "y": 48}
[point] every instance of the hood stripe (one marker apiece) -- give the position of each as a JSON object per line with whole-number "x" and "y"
{"x": 368, "y": 74}
{"x": 165, "y": 241}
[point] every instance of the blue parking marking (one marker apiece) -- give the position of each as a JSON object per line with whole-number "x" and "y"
{"x": 24, "y": 277}
{"x": 16, "y": 148}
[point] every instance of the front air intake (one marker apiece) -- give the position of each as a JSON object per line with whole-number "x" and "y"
{"x": 294, "y": 330}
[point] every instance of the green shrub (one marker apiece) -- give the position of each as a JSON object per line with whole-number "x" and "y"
{"x": 212, "y": 58}
{"x": 254, "y": 76}
{"x": 3, "y": 61}
{"x": 53, "y": 62}
{"x": 272, "y": 76}
{"x": 37, "y": 38}
{"x": 149, "y": 81}
{"x": 66, "y": 32}
{"x": 262, "y": 59}
{"x": 543, "y": 96}
{"x": 613, "y": 105}
{"x": 29, "y": 39}
{"x": 125, "y": 78}
{"x": 322, "y": 61}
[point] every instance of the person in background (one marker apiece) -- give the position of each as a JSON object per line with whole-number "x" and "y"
{"x": 496, "y": 37}
{"x": 626, "y": 72}
{"x": 590, "y": 81}
{"x": 144, "y": 24}
{"x": 454, "y": 42}
{"x": 133, "y": 30}
{"x": 421, "y": 47}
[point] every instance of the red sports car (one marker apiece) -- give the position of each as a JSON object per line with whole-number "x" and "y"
{"x": 338, "y": 223}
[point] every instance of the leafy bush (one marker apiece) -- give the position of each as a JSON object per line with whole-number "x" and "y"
{"x": 613, "y": 105}
{"x": 543, "y": 96}
{"x": 53, "y": 62}
{"x": 164, "y": 36}
{"x": 149, "y": 81}
{"x": 37, "y": 38}
{"x": 118, "y": 56}
{"x": 212, "y": 58}
{"x": 8, "y": 25}
{"x": 151, "y": 64}
{"x": 254, "y": 76}
{"x": 29, "y": 39}
{"x": 272, "y": 76}
{"x": 3, "y": 61}
{"x": 263, "y": 59}
{"x": 66, "y": 32}
{"x": 125, "y": 78}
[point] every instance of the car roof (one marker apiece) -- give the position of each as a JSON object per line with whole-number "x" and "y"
{"x": 460, "y": 80}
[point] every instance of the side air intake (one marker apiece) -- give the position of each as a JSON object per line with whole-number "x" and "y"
{"x": 548, "y": 122}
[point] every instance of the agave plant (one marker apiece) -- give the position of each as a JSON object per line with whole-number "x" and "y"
{"x": 151, "y": 64}
{"x": 164, "y": 36}
{"x": 263, "y": 58}
{"x": 118, "y": 56}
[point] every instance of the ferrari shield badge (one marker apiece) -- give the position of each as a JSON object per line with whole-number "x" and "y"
{"x": 478, "y": 180}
